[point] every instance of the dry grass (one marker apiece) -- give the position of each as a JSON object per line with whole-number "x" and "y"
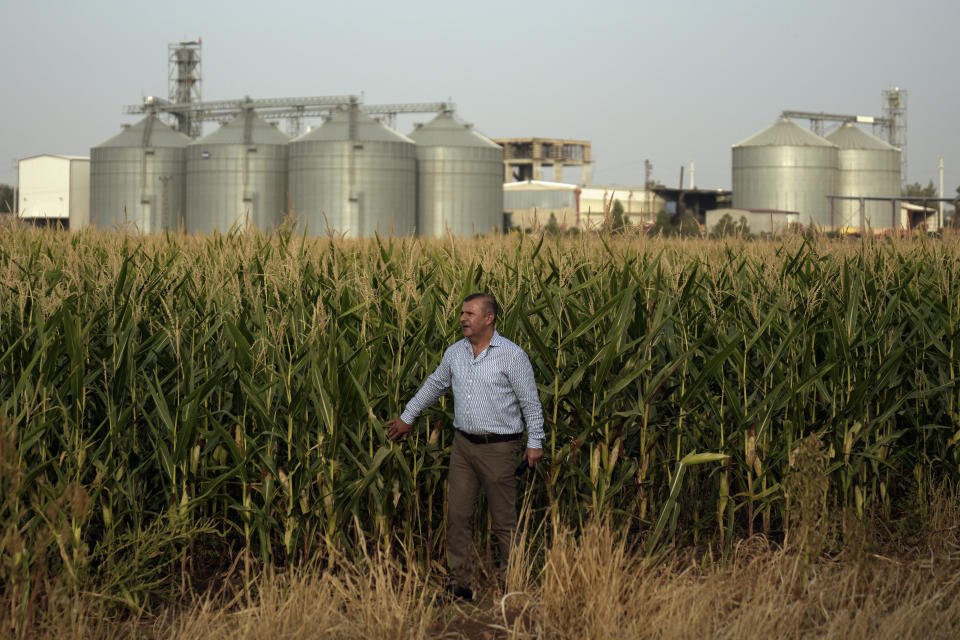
{"x": 588, "y": 586}
{"x": 594, "y": 589}
{"x": 376, "y": 599}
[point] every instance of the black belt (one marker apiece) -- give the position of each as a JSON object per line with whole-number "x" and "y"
{"x": 490, "y": 438}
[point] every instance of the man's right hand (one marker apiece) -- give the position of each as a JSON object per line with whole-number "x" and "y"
{"x": 397, "y": 428}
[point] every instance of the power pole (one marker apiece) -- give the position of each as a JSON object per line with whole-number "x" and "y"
{"x": 16, "y": 188}
{"x": 648, "y": 170}
{"x": 940, "y": 222}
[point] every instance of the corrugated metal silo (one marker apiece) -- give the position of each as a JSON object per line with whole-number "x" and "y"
{"x": 459, "y": 179}
{"x": 868, "y": 167}
{"x": 237, "y": 175}
{"x": 786, "y": 168}
{"x": 354, "y": 176}
{"x": 137, "y": 178}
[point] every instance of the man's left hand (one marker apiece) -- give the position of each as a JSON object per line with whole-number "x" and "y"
{"x": 532, "y": 456}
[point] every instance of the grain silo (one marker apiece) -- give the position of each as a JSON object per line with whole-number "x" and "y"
{"x": 237, "y": 176}
{"x": 868, "y": 167}
{"x": 354, "y": 176}
{"x": 137, "y": 178}
{"x": 459, "y": 179}
{"x": 786, "y": 168}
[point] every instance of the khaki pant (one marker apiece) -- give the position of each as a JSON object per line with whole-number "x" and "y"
{"x": 472, "y": 466}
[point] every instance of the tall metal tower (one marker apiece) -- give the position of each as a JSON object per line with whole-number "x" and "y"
{"x": 895, "y": 124}
{"x": 184, "y": 82}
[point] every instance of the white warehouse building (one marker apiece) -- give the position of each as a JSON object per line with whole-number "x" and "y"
{"x": 530, "y": 204}
{"x": 55, "y": 189}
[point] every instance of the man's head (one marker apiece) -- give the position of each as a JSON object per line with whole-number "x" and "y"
{"x": 478, "y": 315}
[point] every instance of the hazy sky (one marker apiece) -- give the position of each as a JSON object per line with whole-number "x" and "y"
{"x": 666, "y": 81}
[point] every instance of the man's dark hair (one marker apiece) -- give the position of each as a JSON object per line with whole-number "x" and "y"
{"x": 489, "y": 303}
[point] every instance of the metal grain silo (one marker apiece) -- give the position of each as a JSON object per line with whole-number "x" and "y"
{"x": 237, "y": 176}
{"x": 786, "y": 168}
{"x": 868, "y": 167}
{"x": 137, "y": 178}
{"x": 459, "y": 179}
{"x": 355, "y": 176}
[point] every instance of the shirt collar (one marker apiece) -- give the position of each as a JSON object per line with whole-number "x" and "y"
{"x": 495, "y": 341}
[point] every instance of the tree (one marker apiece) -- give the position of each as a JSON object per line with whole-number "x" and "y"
{"x": 687, "y": 225}
{"x": 727, "y": 227}
{"x": 662, "y": 226}
{"x": 552, "y": 225}
{"x": 508, "y": 225}
{"x": 916, "y": 190}
{"x": 7, "y": 205}
{"x": 619, "y": 221}
{"x": 950, "y": 217}
{"x": 684, "y": 225}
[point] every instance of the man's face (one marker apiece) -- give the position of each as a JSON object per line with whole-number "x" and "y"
{"x": 474, "y": 318}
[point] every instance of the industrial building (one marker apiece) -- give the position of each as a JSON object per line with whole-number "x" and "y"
{"x": 640, "y": 205}
{"x": 353, "y": 175}
{"x": 525, "y": 158}
{"x": 55, "y": 189}
{"x": 530, "y": 204}
{"x": 848, "y": 181}
{"x": 696, "y": 202}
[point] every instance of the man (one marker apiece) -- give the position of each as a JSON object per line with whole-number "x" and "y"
{"x": 494, "y": 393}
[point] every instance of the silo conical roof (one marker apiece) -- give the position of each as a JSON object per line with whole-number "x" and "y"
{"x": 337, "y": 128}
{"x": 850, "y": 136}
{"x": 237, "y": 131}
{"x": 149, "y": 132}
{"x": 446, "y": 130}
{"x": 785, "y": 133}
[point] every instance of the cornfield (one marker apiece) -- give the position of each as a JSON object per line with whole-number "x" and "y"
{"x": 170, "y": 402}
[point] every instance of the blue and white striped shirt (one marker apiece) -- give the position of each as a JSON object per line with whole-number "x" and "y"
{"x": 492, "y": 393}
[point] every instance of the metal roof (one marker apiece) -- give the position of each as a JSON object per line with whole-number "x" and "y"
{"x": 446, "y": 130}
{"x": 246, "y": 128}
{"x": 850, "y": 136}
{"x": 55, "y": 155}
{"x": 785, "y": 133}
{"x": 538, "y": 185}
{"x": 149, "y": 132}
{"x": 367, "y": 129}
{"x": 612, "y": 187}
